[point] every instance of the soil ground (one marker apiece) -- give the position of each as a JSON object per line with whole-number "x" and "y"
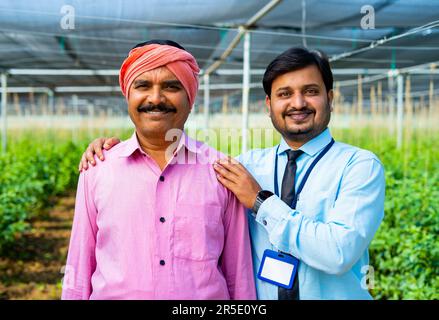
{"x": 33, "y": 267}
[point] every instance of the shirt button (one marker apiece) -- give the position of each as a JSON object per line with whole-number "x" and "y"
{"x": 162, "y": 262}
{"x": 162, "y": 219}
{"x": 264, "y": 222}
{"x": 162, "y": 178}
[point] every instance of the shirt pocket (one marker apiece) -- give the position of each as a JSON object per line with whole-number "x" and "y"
{"x": 198, "y": 232}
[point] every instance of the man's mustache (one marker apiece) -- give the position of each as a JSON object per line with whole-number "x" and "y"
{"x": 156, "y": 107}
{"x": 296, "y": 111}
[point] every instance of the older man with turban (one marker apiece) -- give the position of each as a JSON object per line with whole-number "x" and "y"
{"x": 146, "y": 225}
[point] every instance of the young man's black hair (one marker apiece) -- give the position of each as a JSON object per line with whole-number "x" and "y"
{"x": 295, "y": 59}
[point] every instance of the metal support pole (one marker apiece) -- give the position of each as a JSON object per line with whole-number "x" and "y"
{"x": 206, "y": 101}
{"x": 51, "y": 104}
{"x": 303, "y": 28}
{"x": 245, "y": 90}
{"x": 399, "y": 109}
{"x": 4, "y": 79}
{"x": 91, "y": 119}
{"x": 391, "y": 100}
{"x": 75, "y": 118}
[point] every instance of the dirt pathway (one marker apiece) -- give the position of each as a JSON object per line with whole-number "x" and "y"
{"x": 33, "y": 268}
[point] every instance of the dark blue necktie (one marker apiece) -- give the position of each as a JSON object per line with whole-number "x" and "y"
{"x": 288, "y": 194}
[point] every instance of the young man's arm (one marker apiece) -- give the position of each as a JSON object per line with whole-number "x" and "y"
{"x": 335, "y": 246}
{"x": 95, "y": 147}
{"x": 236, "y": 260}
{"x": 81, "y": 260}
{"x": 331, "y": 247}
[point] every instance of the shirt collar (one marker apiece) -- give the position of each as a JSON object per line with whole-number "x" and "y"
{"x": 132, "y": 144}
{"x": 311, "y": 147}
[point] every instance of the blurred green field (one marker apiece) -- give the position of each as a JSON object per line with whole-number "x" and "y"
{"x": 42, "y": 165}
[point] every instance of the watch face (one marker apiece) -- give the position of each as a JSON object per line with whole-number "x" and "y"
{"x": 264, "y": 194}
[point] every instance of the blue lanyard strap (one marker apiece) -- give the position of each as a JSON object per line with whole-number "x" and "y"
{"x": 308, "y": 172}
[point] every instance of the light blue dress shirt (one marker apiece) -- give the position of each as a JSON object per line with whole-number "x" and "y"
{"x": 338, "y": 212}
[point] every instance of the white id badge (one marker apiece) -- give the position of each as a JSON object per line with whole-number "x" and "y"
{"x": 278, "y": 268}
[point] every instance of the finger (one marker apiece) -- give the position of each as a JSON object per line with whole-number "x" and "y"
{"x": 80, "y": 164}
{"x": 231, "y": 165}
{"x": 226, "y": 173}
{"x": 238, "y": 165}
{"x": 83, "y": 165}
{"x": 97, "y": 147}
{"x": 89, "y": 155}
{"x": 229, "y": 160}
{"x": 226, "y": 183}
{"x": 111, "y": 142}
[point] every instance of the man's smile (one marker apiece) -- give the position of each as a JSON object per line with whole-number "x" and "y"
{"x": 301, "y": 115}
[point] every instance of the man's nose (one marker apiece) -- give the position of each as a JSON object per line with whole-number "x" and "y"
{"x": 155, "y": 96}
{"x": 298, "y": 101}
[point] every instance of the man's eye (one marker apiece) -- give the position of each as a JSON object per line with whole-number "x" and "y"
{"x": 173, "y": 87}
{"x": 311, "y": 91}
{"x": 284, "y": 94}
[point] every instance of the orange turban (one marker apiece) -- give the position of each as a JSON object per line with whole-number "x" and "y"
{"x": 180, "y": 62}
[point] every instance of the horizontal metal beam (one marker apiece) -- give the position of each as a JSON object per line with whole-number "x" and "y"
{"x": 85, "y": 89}
{"x": 238, "y": 72}
{"x": 230, "y": 86}
{"x": 226, "y": 86}
{"x": 63, "y": 72}
{"x": 425, "y": 69}
{"x": 105, "y": 72}
{"x": 431, "y": 66}
{"x": 96, "y": 89}
{"x": 222, "y": 72}
{"x": 28, "y": 89}
{"x": 354, "y": 82}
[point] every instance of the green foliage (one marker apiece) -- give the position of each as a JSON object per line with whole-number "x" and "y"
{"x": 404, "y": 253}
{"x": 32, "y": 174}
{"x": 406, "y": 248}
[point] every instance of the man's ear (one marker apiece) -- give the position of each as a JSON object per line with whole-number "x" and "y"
{"x": 268, "y": 104}
{"x": 331, "y": 99}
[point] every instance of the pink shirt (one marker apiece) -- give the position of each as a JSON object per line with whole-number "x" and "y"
{"x": 139, "y": 233}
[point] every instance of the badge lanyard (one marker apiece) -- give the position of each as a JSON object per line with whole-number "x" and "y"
{"x": 308, "y": 172}
{"x": 280, "y": 268}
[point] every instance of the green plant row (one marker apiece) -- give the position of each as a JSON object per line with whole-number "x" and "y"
{"x": 32, "y": 173}
{"x": 404, "y": 253}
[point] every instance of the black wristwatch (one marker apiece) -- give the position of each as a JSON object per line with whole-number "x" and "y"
{"x": 261, "y": 197}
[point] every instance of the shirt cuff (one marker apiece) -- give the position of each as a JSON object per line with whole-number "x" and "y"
{"x": 272, "y": 211}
